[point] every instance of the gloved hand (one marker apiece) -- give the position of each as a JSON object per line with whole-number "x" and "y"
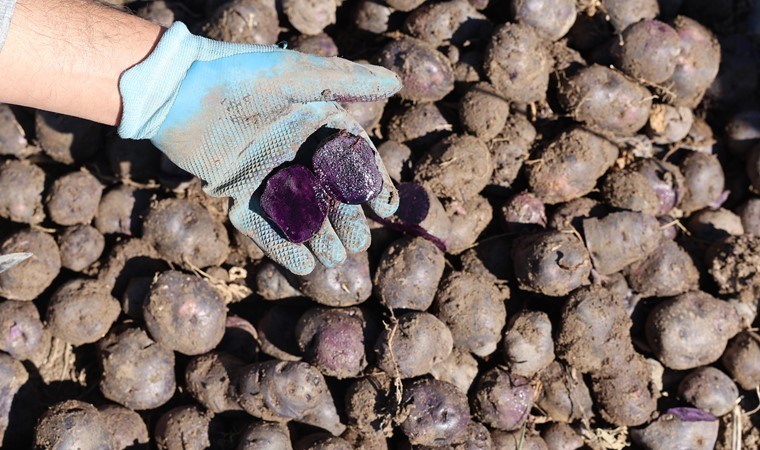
{"x": 230, "y": 113}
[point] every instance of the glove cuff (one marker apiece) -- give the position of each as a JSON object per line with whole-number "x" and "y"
{"x": 149, "y": 88}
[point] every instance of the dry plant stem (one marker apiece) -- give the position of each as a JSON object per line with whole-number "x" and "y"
{"x": 67, "y": 56}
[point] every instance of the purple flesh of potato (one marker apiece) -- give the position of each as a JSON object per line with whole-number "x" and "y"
{"x": 413, "y": 203}
{"x": 345, "y": 165}
{"x": 294, "y": 200}
{"x": 686, "y": 414}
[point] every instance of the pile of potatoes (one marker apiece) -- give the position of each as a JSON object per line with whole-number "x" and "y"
{"x": 575, "y": 262}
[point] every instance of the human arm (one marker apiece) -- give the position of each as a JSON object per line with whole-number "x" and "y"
{"x": 67, "y": 56}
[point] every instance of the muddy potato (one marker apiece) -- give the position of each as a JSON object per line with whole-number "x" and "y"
{"x": 184, "y": 313}
{"x": 459, "y": 369}
{"x": 626, "y": 393}
{"x": 80, "y": 247}
{"x": 81, "y": 311}
{"x": 67, "y": 139}
{"x": 265, "y": 436}
{"x": 669, "y": 124}
{"x": 468, "y": 219}
{"x": 523, "y": 212}
{"x": 569, "y": 166}
{"x": 183, "y": 428}
{"x": 593, "y": 330}
{"x": 208, "y": 378}
{"x": 73, "y": 198}
{"x": 244, "y": 22}
{"x": 619, "y": 239}
{"x": 413, "y": 345}
{"x": 13, "y": 140}
{"x": 691, "y": 330}
{"x": 372, "y": 16}
{"x": 697, "y": 66}
{"x": 72, "y": 424}
{"x": 679, "y": 428}
{"x": 408, "y": 274}
{"x": 565, "y": 396}
{"x": 666, "y": 272}
{"x": 732, "y": 263}
{"x": 516, "y": 440}
{"x": 741, "y": 360}
{"x": 749, "y": 212}
{"x": 29, "y": 278}
{"x": 628, "y": 189}
{"x": 333, "y": 340}
{"x": 483, "y": 111}
{"x": 21, "y": 331}
{"x": 345, "y": 285}
{"x": 472, "y": 307}
{"x": 552, "y": 18}
{"x": 457, "y": 167}
{"x": 137, "y": 372}
{"x": 367, "y": 403}
{"x": 623, "y": 13}
{"x": 21, "y": 184}
{"x": 552, "y": 263}
{"x": 284, "y": 390}
{"x": 426, "y": 73}
{"x": 648, "y": 51}
{"x": 452, "y": 21}
{"x": 710, "y": 390}
{"x": 561, "y": 436}
{"x": 743, "y": 131}
{"x": 419, "y": 126}
{"x": 185, "y": 232}
{"x": 438, "y": 413}
{"x": 528, "y": 346}
{"x": 518, "y": 63}
{"x": 714, "y": 224}
{"x": 317, "y": 44}
{"x": 704, "y": 181}
{"x": 502, "y": 400}
{"x": 126, "y": 426}
{"x": 605, "y": 101}
{"x": 510, "y": 148}
{"x": 121, "y": 209}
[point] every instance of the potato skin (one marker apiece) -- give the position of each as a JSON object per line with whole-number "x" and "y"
{"x": 72, "y": 424}
{"x": 21, "y": 184}
{"x": 502, "y": 400}
{"x": 472, "y": 307}
{"x": 408, "y": 274}
{"x": 243, "y": 22}
{"x": 345, "y": 285}
{"x": 518, "y": 63}
{"x": 667, "y": 271}
{"x": 137, "y": 372}
{"x": 649, "y": 51}
{"x": 438, "y": 414}
{"x": 184, "y": 313}
{"x": 183, "y": 428}
{"x": 570, "y": 165}
{"x": 710, "y": 390}
{"x": 333, "y": 341}
{"x": 605, "y": 101}
{"x": 74, "y": 198}
{"x": 609, "y": 252}
{"x": 691, "y": 330}
{"x": 21, "y": 329}
{"x": 126, "y": 426}
{"x": 698, "y": 63}
{"x": 552, "y": 263}
{"x": 457, "y": 167}
{"x": 528, "y": 345}
{"x": 185, "y": 232}
{"x": 671, "y": 432}
{"x": 426, "y": 74}
{"x": 741, "y": 360}
{"x": 552, "y": 18}
{"x": 28, "y": 279}
{"x": 564, "y": 397}
{"x": 420, "y": 341}
{"x": 81, "y": 311}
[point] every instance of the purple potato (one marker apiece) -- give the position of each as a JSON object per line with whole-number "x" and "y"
{"x": 438, "y": 413}
{"x": 345, "y": 166}
{"x": 295, "y": 201}
{"x": 503, "y": 400}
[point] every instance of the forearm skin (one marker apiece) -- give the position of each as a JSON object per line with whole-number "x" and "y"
{"x": 67, "y": 56}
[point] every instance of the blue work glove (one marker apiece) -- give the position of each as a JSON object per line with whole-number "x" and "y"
{"x": 231, "y": 113}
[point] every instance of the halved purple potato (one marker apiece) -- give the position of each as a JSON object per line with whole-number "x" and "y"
{"x": 294, "y": 200}
{"x": 345, "y": 165}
